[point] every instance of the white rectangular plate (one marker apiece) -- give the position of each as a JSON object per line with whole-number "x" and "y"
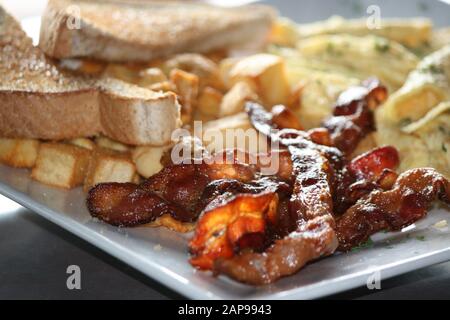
{"x": 162, "y": 254}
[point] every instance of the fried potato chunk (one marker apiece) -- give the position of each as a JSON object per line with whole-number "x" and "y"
{"x": 233, "y": 132}
{"x": 83, "y": 143}
{"x": 206, "y": 69}
{"x": 266, "y": 74}
{"x": 234, "y": 100}
{"x": 109, "y": 166}
{"x": 150, "y": 76}
{"x": 19, "y": 153}
{"x": 61, "y": 165}
{"x": 106, "y": 143}
{"x": 148, "y": 160}
{"x": 187, "y": 87}
{"x": 209, "y": 102}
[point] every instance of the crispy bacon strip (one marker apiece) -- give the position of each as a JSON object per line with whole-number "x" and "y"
{"x": 407, "y": 202}
{"x": 352, "y": 117}
{"x": 313, "y": 237}
{"x": 318, "y": 139}
{"x": 369, "y": 171}
{"x": 353, "y": 114}
{"x": 176, "y": 190}
{"x": 221, "y": 229}
{"x": 125, "y": 204}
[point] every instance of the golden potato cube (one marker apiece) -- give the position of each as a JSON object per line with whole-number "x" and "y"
{"x": 162, "y": 86}
{"x": 233, "y": 132}
{"x": 83, "y": 143}
{"x": 266, "y": 74}
{"x": 209, "y": 102}
{"x": 61, "y": 165}
{"x": 234, "y": 100}
{"x": 187, "y": 86}
{"x": 109, "y": 166}
{"x": 284, "y": 33}
{"x": 225, "y": 67}
{"x": 150, "y": 76}
{"x": 19, "y": 153}
{"x": 194, "y": 63}
{"x": 148, "y": 160}
{"x": 122, "y": 72}
{"x": 107, "y": 143}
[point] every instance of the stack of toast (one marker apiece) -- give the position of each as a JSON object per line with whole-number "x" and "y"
{"x": 111, "y": 80}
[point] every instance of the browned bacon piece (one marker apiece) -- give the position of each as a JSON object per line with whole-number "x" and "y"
{"x": 353, "y": 114}
{"x": 352, "y": 117}
{"x": 223, "y": 228}
{"x": 407, "y": 202}
{"x": 126, "y": 205}
{"x": 175, "y": 190}
{"x": 367, "y": 172}
{"x": 317, "y": 139}
{"x": 313, "y": 237}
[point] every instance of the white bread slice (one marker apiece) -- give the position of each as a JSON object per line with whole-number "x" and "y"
{"x": 125, "y": 31}
{"x": 39, "y": 101}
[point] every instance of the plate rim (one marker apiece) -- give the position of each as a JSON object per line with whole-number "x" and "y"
{"x": 150, "y": 269}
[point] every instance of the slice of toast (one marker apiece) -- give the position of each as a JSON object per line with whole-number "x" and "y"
{"x": 40, "y": 101}
{"x": 139, "y": 31}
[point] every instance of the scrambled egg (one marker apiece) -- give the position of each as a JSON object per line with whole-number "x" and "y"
{"x": 416, "y": 119}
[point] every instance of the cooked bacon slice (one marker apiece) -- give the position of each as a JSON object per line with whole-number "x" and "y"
{"x": 407, "y": 202}
{"x": 370, "y": 165}
{"x": 318, "y": 139}
{"x": 222, "y": 229}
{"x": 352, "y": 117}
{"x": 353, "y": 114}
{"x": 313, "y": 237}
{"x": 284, "y": 118}
{"x": 369, "y": 171}
{"x": 176, "y": 190}
{"x": 312, "y": 240}
{"x": 126, "y": 205}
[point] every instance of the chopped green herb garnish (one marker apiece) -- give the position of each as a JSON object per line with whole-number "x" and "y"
{"x": 444, "y": 148}
{"x": 442, "y": 129}
{"x": 382, "y": 45}
{"x": 405, "y": 122}
{"x": 368, "y": 244}
{"x": 331, "y": 49}
{"x": 432, "y": 68}
{"x": 420, "y": 238}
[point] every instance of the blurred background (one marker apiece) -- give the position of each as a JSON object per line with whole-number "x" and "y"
{"x": 26, "y": 8}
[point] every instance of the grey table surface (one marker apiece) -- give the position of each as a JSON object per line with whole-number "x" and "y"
{"x": 35, "y": 254}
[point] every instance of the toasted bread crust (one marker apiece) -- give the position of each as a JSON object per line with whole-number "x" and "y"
{"x": 49, "y": 116}
{"x": 41, "y": 102}
{"x": 142, "y": 31}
